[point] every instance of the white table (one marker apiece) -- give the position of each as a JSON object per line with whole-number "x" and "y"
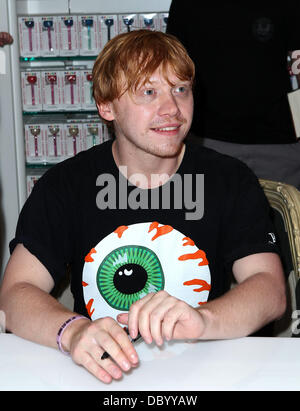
{"x": 242, "y": 364}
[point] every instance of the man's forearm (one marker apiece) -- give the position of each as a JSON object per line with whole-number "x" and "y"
{"x": 33, "y": 314}
{"x": 244, "y": 309}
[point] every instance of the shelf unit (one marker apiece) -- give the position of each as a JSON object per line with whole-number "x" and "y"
{"x": 13, "y": 192}
{"x": 44, "y": 148}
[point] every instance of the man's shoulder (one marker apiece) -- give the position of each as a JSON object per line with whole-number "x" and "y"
{"x": 211, "y": 160}
{"x": 77, "y": 168}
{"x": 100, "y": 151}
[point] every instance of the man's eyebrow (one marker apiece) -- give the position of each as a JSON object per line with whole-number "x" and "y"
{"x": 173, "y": 84}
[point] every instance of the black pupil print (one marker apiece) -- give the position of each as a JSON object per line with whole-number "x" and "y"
{"x": 127, "y": 274}
{"x": 130, "y": 278}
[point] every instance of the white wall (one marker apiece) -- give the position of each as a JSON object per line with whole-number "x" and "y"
{"x": 10, "y": 121}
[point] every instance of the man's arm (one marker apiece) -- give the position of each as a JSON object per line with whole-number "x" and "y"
{"x": 24, "y": 297}
{"x": 5, "y": 38}
{"x": 257, "y": 299}
{"x": 33, "y": 314}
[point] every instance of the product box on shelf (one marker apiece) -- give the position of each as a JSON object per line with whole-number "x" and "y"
{"x": 71, "y": 86}
{"x": 32, "y": 176}
{"x": 88, "y": 35}
{"x": 92, "y": 134}
{"x": 149, "y": 21}
{"x": 106, "y": 133}
{"x": 35, "y": 143}
{"x": 107, "y": 29}
{"x": 87, "y": 99}
{"x": 128, "y": 22}
{"x": 68, "y": 35}
{"x": 48, "y": 36}
{"x": 54, "y": 143}
{"x": 52, "y": 95}
{"x": 28, "y": 36}
{"x": 73, "y": 142}
{"x": 163, "y": 21}
{"x": 30, "y": 182}
{"x": 31, "y": 90}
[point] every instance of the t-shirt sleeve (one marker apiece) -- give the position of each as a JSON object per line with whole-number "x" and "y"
{"x": 44, "y": 225}
{"x": 248, "y": 228}
{"x": 292, "y": 13}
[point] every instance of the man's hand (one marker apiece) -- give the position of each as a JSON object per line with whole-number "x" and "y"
{"x": 88, "y": 342}
{"x": 160, "y": 316}
{"x": 5, "y": 38}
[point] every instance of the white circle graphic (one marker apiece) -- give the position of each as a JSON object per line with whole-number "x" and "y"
{"x": 173, "y": 263}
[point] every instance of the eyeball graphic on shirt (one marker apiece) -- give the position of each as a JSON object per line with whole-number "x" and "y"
{"x": 127, "y": 274}
{"x": 138, "y": 259}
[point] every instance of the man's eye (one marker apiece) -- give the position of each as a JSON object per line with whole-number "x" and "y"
{"x": 180, "y": 89}
{"x": 149, "y": 92}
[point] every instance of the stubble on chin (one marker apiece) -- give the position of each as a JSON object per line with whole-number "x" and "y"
{"x": 167, "y": 150}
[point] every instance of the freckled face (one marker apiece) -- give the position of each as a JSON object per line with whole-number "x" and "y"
{"x": 156, "y": 118}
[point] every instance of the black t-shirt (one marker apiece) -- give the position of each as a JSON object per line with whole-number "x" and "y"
{"x": 119, "y": 254}
{"x": 240, "y": 50}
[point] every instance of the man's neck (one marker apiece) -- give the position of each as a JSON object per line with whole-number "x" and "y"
{"x": 146, "y": 170}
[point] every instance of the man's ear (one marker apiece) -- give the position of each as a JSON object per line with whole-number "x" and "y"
{"x": 105, "y": 111}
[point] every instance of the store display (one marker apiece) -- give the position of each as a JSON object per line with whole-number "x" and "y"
{"x": 70, "y": 90}
{"x": 107, "y": 29}
{"x": 54, "y": 143}
{"x": 28, "y": 36}
{"x": 149, "y": 21}
{"x": 51, "y": 140}
{"x": 87, "y": 99}
{"x": 128, "y": 21}
{"x": 68, "y": 35}
{"x": 31, "y": 90}
{"x": 163, "y": 21}
{"x": 31, "y": 179}
{"x": 94, "y": 134}
{"x": 71, "y": 87}
{"x": 51, "y": 90}
{"x": 48, "y": 36}
{"x": 88, "y": 35}
{"x": 57, "y": 55}
{"x": 34, "y": 143}
{"x": 72, "y": 139}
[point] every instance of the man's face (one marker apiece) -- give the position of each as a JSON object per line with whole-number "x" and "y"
{"x": 156, "y": 117}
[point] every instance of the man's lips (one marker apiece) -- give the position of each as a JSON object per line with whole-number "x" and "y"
{"x": 167, "y": 128}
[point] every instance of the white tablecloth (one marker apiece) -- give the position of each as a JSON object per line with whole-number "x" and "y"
{"x": 251, "y": 363}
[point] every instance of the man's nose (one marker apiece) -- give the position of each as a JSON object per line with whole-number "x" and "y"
{"x": 168, "y": 105}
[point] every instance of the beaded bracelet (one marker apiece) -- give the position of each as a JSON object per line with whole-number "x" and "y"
{"x": 62, "y": 330}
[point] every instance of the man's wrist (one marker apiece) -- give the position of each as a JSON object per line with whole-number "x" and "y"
{"x": 206, "y": 321}
{"x": 67, "y": 331}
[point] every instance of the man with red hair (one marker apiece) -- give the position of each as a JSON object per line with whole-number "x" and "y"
{"x": 151, "y": 268}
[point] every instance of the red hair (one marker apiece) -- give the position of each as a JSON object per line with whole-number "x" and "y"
{"x": 128, "y": 61}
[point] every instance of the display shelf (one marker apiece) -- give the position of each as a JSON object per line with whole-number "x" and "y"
{"x": 68, "y": 113}
{"x": 43, "y": 166}
{"x": 57, "y": 58}
{"x": 56, "y": 61}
